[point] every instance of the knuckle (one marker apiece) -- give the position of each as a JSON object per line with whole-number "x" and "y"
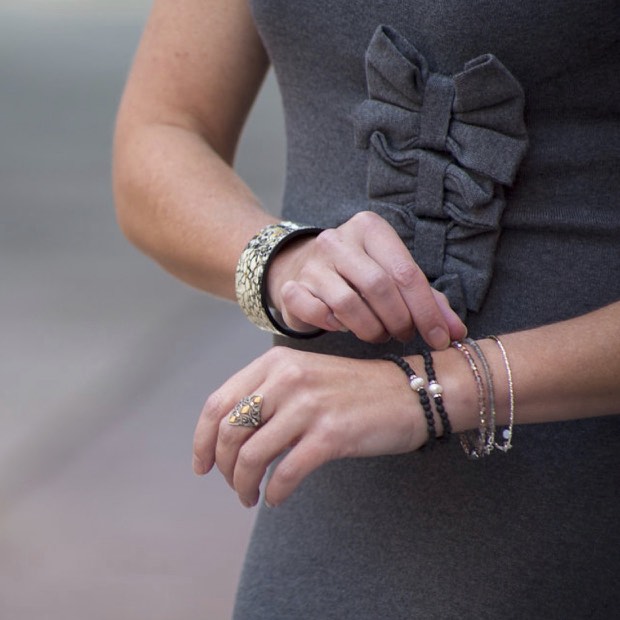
{"x": 289, "y": 293}
{"x": 378, "y": 282}
{"x": 248, "y": 459}
{"x": 327, "y": 443}
{"x": 285, "y": 363}
{"x": 325, "y": 430}
{"x": 366, "y": 218}
{"x": 327, "y": 240}
{"x": 288, "y": 472}
{"x": 227, "y": 436}
{"x": 345, "y": 303}
{"x": 276, "y": 355}
{"x": 426, "y": 318}
{"x": 292, "y": 373}
{"x": 408, "y": 275}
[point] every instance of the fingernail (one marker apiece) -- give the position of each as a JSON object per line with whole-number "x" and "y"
{"x": 198, "y": 466}
{"x": 438, "y": 338}
{"x": 268, "y": 505}
{"x": 246, "y": 503}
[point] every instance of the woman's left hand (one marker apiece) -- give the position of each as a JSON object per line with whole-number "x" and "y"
{"x": 322, "y": 407}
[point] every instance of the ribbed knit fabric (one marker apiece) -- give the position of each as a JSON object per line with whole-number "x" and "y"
{"x": 509, "y": 196}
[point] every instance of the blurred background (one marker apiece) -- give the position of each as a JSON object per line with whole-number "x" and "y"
{"x": 105, "y": 360}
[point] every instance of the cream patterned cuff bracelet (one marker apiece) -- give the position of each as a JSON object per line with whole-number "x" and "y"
{"x": 251, "y": 280}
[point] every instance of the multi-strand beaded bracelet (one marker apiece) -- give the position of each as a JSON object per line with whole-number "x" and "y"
{"x": 250, "y": 282}
{"x": 476, "y": 444}
{"x": 483, "y": 442}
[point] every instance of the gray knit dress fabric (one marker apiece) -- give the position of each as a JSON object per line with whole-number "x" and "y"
{"x": 488, "y": 134}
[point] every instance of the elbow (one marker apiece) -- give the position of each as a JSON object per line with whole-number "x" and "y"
{"x": 127, "y": 216}
{"x": 127, "y": 195}
{"x": 131, "y": 219}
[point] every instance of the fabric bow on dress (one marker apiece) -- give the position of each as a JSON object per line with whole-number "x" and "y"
{"x": 441, "y": 148}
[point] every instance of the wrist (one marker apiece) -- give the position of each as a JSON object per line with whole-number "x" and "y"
{"x": 481, "y": 372}
{"x": 459, "y": 390}
{"x": 282, "y": 265}
{"x": 252, "y": 273}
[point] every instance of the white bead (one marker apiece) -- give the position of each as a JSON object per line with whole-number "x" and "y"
{"x": 417, "y": 383}
{"x": 435, "y": 388}
{"x": 506, "y": 433}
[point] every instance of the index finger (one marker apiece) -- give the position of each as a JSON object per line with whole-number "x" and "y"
{"x": 388, "y": 250}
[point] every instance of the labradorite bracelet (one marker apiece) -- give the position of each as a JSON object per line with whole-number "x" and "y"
{"x": 416, "y": 383}
{"x": 436, "y": 391}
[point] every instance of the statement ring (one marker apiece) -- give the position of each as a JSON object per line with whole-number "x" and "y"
{"x": 247, "y": 412}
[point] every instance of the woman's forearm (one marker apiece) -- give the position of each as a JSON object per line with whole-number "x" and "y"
{"x": 359, "y": 408}
{"x": 194, "y": 78}
{"x": 562, "y": 371}
{"x": 182, "y": 204}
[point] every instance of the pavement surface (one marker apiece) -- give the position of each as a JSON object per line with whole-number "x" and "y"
{"x": 106, "y": 360}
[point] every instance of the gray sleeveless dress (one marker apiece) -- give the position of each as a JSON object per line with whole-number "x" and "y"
{"x": 488, "y": 134}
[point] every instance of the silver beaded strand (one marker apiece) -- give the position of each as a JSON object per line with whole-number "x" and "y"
{"x": 481, "y": 444}
{"x": 488, "y": 375}
{"x": 507, "y": 433}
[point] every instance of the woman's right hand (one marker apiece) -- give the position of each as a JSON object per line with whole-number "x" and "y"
{"x": 360, "y": 277}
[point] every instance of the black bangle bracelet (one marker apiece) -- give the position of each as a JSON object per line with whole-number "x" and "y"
{"x": 417, "y": 384}
{"x": 284, "y": 329}
{"x": 436, "y": 391}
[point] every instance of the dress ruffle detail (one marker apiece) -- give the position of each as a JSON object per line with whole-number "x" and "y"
{"x": 441, "y": 148}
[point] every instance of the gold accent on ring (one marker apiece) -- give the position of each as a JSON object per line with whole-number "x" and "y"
{"x": 247, "y": 412}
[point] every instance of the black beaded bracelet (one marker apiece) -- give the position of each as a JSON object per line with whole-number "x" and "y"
{"x": 436, "y": 391}
{"x": 417, "y": 384}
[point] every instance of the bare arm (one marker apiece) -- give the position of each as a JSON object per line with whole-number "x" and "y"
{"x": 330, "y": 407}
{"x": 195, "y": 76}
{"x": 565, "y": 370}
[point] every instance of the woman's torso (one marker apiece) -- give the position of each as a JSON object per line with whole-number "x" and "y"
{"x": 532, "y": 534}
